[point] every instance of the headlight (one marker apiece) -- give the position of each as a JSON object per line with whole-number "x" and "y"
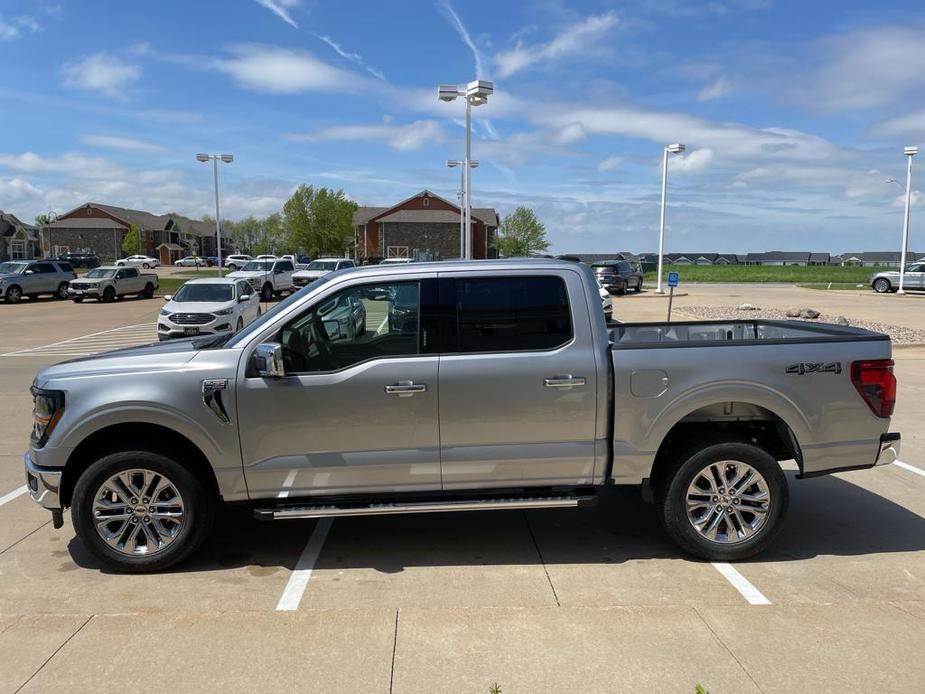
{"x": 165, "y": 312}
{"x": 223, "y": 312}
{"x": 47, "y": 408}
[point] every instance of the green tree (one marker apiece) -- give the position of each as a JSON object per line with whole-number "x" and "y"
{"x": 40, "y": 222}
{"x": 521, "y": 233}
{"x": 247, "y": 232}
{"x": 318, "y": 222}
{"x": 131, "y": 244}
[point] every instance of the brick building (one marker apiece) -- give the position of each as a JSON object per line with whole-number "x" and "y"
{"x": 423, "y": 227}
{"x": 97, "y": 228}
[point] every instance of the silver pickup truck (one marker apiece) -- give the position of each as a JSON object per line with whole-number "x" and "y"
{"x": 472, "y": 386}
{"x": 111, "y": 283}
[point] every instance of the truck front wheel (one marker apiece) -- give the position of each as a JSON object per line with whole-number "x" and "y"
{"x": 267, "y": 292}
{"x": 140, "y": 511}
{"x": 724, "y": 501}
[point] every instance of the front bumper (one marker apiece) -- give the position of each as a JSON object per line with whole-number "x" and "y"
{"x": 87, "y": 293}
{"x": 44, "y": 484}
{"x": 167, "y": 330}
{"x": 889, "y": 449}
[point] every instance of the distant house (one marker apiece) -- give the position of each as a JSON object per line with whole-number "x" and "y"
{"x": 690, "y": 258}
{"x": 726, "y": 259}
{"x": 422, "y": 227}
{"x": 800, "y": 258}
{"x": 876, "y": 258}
{"x": 18, "y": 240}
{"x": 591, "y": 258}
{"x": 100, "y": 229}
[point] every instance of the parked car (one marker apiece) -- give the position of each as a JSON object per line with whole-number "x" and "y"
{"x": 142, "y": 261}
{"x": 395, "y": 261}
{"x": 236, "y": 260}
{"x": 265, "y": 257}
{"x": 304, "y": 259}
{"x": 607, "y": 304}
{"x": 211, "y": 260}
{"x": 32, "y": 278}
{"x": 888, "y": 281}
{"x": 208, "y": 306}
{"x": 343, "y": 317}
{"x": 618, "y": 276}
{"x": 269, "y": 278}
{"x": 190, "y": 261}
{"x": 77, "y": 260}
{"x": 510, "y": 393}
{"x": 110, "y": 283}
{"x": 319, "y": 268}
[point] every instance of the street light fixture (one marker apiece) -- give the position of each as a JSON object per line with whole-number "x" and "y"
{"x": 476, "y": 93}
{"x": 676, "y": 148}
{"x": 910, "y": 152}
{"x": 461, "y": 196}
{"x": 227, "y": 158}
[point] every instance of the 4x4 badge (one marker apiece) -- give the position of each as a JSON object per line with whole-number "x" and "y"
{"x": 832, "y": 367}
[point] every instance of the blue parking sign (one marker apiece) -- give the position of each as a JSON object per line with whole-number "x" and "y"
{"x": 672, "y": 279}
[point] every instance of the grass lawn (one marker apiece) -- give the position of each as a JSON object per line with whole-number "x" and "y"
{"x": 821, "y": 275}
{"x": 204, "y": 272}
{"x": 839, "y": 286}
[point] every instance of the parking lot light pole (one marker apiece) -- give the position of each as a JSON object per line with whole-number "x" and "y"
{"x": 676, "y": 148}
{"x": 909, "y": 152}
{"x": 461, "y": 195}
{"x": 227, "y": 158}
{"x": 475, "y": 93}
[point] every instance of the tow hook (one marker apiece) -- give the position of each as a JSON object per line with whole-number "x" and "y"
{"x": 57, "y": 518}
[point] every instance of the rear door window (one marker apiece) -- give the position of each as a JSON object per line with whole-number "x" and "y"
{"x": 511, "y": 314}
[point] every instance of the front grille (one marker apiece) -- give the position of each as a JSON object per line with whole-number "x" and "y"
{"x": 301, "y": 281}
{"x": 191, "y": 318}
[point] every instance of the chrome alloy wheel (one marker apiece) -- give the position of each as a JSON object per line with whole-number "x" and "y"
{"x": 728, "y": 502}
{"x": 138, "y": 512}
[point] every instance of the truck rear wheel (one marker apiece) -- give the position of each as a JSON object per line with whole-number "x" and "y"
{"x": 724, "y": 501}
{"x": 140, "y": 511}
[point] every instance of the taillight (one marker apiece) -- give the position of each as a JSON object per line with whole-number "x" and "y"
{"x": 876, "y": 383}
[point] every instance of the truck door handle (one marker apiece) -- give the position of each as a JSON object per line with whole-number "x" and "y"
{"x": 566, "y": 381}
{"x": 404, "y": 389}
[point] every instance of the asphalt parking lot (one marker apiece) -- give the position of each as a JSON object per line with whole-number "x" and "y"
{"x": 591, "y": 600}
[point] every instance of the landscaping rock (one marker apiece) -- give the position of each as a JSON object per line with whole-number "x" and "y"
{"x": 747, "y": 307}
{"x": 793, "y": 313}
{"x": 841, "y": 320}
{"x": 809, "y": 313}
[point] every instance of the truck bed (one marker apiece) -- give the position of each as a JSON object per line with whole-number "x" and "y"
{"x": 733, "y": 332}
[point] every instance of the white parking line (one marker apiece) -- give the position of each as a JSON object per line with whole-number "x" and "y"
{"x": 741, "y": 584}
{"x": 126, "y": 336}
{"x": 6, "y": 498}
{"x": 910, "y": 468}
{"x": 302, "y": 574}
{"x": 287, "y": 484}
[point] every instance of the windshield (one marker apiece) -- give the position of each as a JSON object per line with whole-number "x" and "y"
{"x": 99, "y": 273}
{"x": 204, "y": 292}
{"x": 322, "y": 265}
{"x": 259, "y": 266}
{"x": 12, "y": 268}
{"x": 243, "y": 335}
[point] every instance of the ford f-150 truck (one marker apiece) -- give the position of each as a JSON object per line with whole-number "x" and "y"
{"x": 475, "y": 385}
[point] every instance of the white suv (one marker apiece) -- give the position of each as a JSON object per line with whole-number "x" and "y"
{"x": 208, "y": 307}
{"x": 142, "y": 261}
{"x": 233, "y": 262}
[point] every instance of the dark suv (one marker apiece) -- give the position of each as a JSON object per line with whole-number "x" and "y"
{"x": 87, "y": 260}
{"x": 618, "y": 276}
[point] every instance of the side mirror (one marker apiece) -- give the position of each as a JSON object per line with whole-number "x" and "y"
{"x": 332, "y": 328}
{"x": 245, "y": 297}
{"x": 268, "y": 360}
{"x": 168, "y": 297}
{"x": 29, "y": 272}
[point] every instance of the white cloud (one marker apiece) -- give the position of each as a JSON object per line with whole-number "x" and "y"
{"x": 281, "y": 9}
{"x": 869, "y": 67}
{"x": 125, "y": 144}
{"x": 694, "y": 161}
{"x": 69, "y": 163}
{"x": 572, "y": 41}
{"x": 910, "y": 125}
{"x": 401, "y": 137}
{"x": 101, "y": 72}
{"x": 355, "y": 58}
{"x": 609, "y": 164}
{"x": 14, "y": 28}
{"x": 463, "y": 33}
{"x": 715, "y": 90}
{"x": 285, "y": 71}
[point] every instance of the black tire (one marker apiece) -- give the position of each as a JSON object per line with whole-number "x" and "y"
{"x": 146, "y": 266}
{"x": 232, "y": 267}
{"x": 77, "y": 299}
{"x": 109, "y": 295}
{"x": 148, "y": 291}
{"x": 13, "y": 294}
{"x": 622, "y": 290}
{"x": 882, "y": 285}
{"x": 671, "y": 500}
{"x": 61, "y": 292}
{"x": 266, "y": 292}
{"x": 198, "y": 509}
{"x": 240, "y": 325}
{"x": 638, "y": 286}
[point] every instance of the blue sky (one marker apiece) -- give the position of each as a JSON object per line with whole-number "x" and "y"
{"x": 794, "y": 114}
